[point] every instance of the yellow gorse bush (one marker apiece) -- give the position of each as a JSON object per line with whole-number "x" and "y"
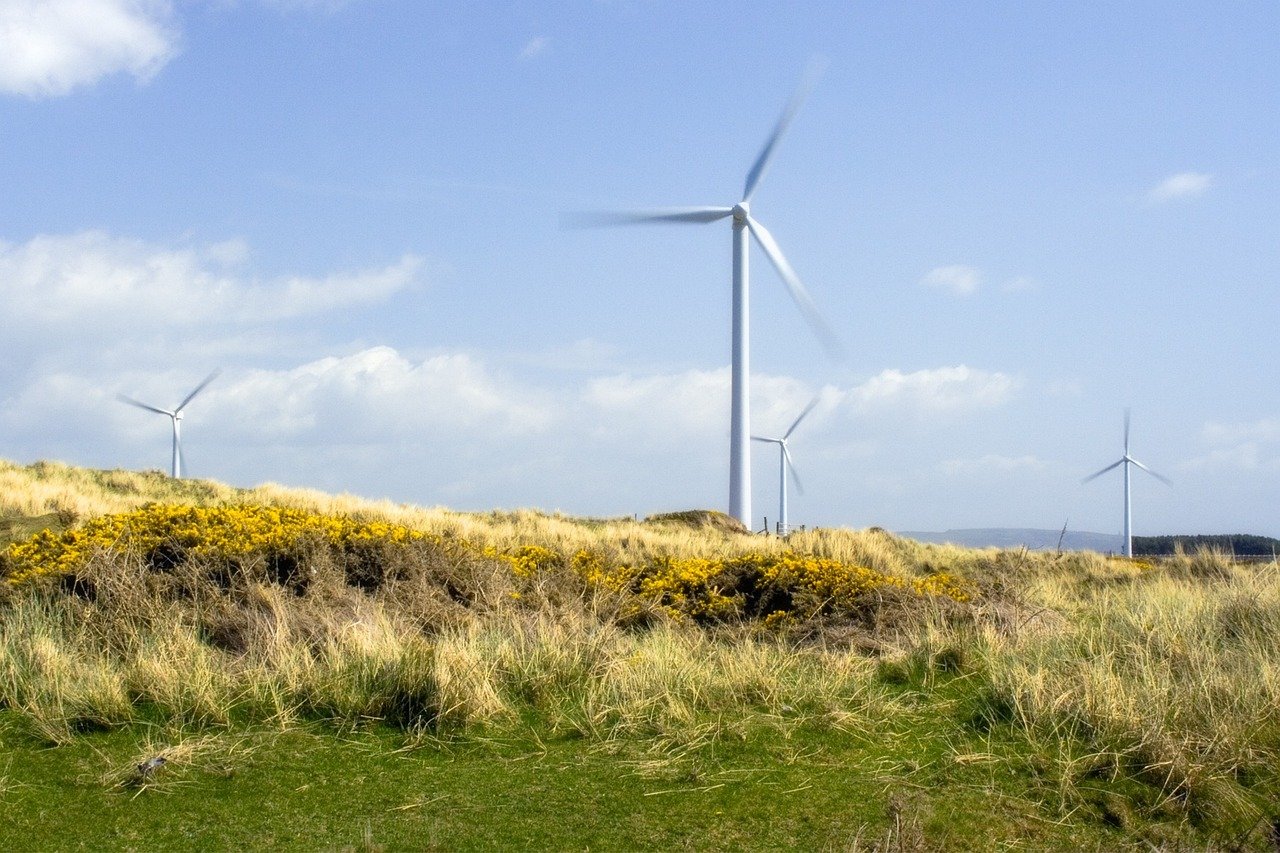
{"x": 177, "y": 532}
{"x": 704, "y": 589}
{"x": 753, "y": 585}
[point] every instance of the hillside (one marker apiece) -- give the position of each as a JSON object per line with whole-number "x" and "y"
{"x": 1241, "y": 545}
{"x": 1021, "y": 537}
{"x": 183, "y": 663}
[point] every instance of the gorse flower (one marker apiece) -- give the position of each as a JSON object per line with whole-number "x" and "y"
{"x": 168, "y": 534}
{"x": 775, "y": 588}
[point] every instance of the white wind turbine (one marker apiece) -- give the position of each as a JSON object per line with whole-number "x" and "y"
{"x": 739, "y": 404}
{"x": 175, "y": 415}
{"x": 1126, "y": 461}
{"x": 786, "y": 464}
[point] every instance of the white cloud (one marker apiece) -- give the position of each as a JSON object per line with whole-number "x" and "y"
{"x": 98, "y": 281}
{"x": 535, "y": 47}
{"x": 943, "y": 389}
{"x": 377, "y": 395}
{"x": 694, "y": 403}
{"x": 691, "y": 402}
{"x": 1183, "y": 185}
{"x": 1241, "y": 446}
{"x": 958, "y": 279}
{"x": 49, "y": 47}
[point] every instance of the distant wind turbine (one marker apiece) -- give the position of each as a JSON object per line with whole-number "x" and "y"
{"x": 739, "y": 405}
{"x": 786, "y": 464}
{"x": 175, "y": 415}
{"x": 1126, "y": 461}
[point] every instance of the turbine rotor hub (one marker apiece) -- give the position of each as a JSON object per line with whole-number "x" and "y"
{"x": 741, "y": 211}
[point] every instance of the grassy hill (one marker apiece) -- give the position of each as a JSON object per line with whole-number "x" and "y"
{"x": 184, "y": 663}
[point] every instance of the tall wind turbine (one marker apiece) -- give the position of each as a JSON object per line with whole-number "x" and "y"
{"x": 786, "y": 464}
{"x": 743, "y": 222}
{"x": 175, "y": 415}
{"x": 1126, "y": 461}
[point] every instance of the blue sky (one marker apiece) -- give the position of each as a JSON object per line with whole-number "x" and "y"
{"x": 1020, "y": 218}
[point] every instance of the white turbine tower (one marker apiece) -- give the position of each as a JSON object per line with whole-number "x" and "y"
{"x": 175, "y": 415}
{"x": 786, "y": 464}
{"x": 743, "y": 222}
{"x": 1126, "y": 461}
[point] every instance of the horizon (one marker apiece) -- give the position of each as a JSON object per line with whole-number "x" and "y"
{"x": 1019, "y": 221}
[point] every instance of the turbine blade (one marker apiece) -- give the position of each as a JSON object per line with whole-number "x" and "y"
{"x": 1103, "y": 471}
{"x": 1126, "y": 432}
{"x": 1161, "y": 477}
{"x": 791, "y": 467}
{"x": 132, "y": 402}
{"x": 797, "y": 290}
{"x": 598, "y": 219}
{"x": 788, "y": 114}
{"x": 760, "y": 438}
{"x": 199, "y": 388}
{"x": 182, "y": 460}
{"x": 807, "y": 410}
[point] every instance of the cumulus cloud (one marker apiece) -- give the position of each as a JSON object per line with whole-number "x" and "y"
{"x": 939, "y": 390}
{"x": 97, "y": 280}
{"x": 379, "y": 394}
{"x": 958, "y": 279}
{"x": 1184, "y": 185}
{"x": 694, "y": 401}
{"x": 50, "y": 47}
{"x": 535, "y": 47}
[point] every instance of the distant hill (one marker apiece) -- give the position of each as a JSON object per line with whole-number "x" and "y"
{"x": 1018, "y": 537}
{"x": 1240, "y": 544}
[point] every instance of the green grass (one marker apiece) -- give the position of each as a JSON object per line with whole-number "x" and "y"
{"x": 925, "y": 782}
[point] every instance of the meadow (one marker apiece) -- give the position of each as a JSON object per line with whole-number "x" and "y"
{"x": 182, "y": 662}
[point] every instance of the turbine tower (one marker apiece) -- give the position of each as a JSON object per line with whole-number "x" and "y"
{"x": 175, "y": 416}
{"x": 786, "y": 464}
{"x": 1126, "y": 461}
{"x": 743, "y": 223}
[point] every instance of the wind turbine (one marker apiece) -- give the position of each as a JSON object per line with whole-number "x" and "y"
{"x": 786, "y": 464}
{"x": 175, "y": 415}
{"x": 743, "y": 222}
{"x": 1126, "y": 461}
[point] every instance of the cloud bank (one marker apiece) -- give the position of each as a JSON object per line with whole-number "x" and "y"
{"x": 94, "y": 280}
